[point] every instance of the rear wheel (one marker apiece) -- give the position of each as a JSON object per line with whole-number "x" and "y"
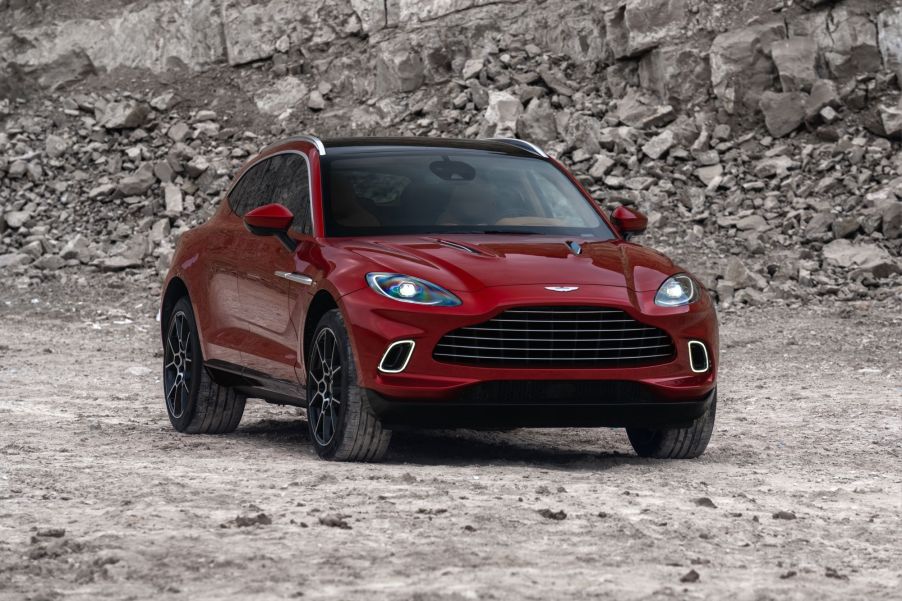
{"x": 342, "y": 425}
{"x": 675, "y": 443}
{"x": 194, "y": 402}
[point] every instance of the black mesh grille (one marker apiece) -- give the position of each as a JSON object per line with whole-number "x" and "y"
{"x": 557, "y": 337}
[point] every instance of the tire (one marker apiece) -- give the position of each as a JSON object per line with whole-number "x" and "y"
{"x": 194, "y": 402}
{"x": 676, "y": 443}
{"x": 340, "y": 420}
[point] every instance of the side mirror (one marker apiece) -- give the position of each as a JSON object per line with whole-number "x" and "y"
{"x": 271, "y": 220}
{"x": 629, "y": 222}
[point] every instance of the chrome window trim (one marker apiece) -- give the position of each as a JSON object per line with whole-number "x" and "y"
{"x": 523, "y": 144}
{"x": 704, "y": 350}
{"x": 317, "y": 143}
{"x": 271, "y": 156}
{"x": 413, "y": 345}
{"x": 295, "y": 277}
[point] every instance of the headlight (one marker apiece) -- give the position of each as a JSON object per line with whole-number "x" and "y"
{"x": 409, "y": 289}
{"x": 676, "y": 291}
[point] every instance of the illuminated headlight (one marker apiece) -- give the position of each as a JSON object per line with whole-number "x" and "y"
{"x": 676, "y": 291}
{"x": 408, "y": 289}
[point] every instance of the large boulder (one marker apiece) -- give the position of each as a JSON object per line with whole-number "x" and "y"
{"x": 639, "y": 111}
{"x": 502, "y": 114}
{"x": 283, "y": 95}
{"x": 861, "y": 258}
{"x": 742, "y": 67}
{"x": 846, "y": 39}
{"x": 537, "y": 124}
{"x": 637, "y": 26}
{"x": 678, "y": 75}
{"x": 889, "y": 37}
{"x": 783, "y": 112}
{"x": 796, "y": 59}
{"x": 128, "y": 114}
{"x": 399, "y": 68}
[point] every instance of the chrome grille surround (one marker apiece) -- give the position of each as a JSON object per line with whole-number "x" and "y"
{"x": 564, "y": 336}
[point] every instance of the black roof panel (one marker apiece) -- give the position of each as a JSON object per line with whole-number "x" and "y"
{"x": 380, "y": 144}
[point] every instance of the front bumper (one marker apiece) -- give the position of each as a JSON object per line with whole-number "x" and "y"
{"x": 375, "y": 322}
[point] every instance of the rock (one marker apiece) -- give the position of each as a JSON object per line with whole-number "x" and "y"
{"x": 553, "y": 515}
{"x": 16, "y": 219}
{"x": 705, "y": 502}
{"x": 555, "y": 82}
{"x": 846, "y": 38}
{"x": 33, "y": 249}
{"x": 891, "y": 120}
{"x": 783, "y": 112}
{"x": 17, "y": 170}
{"x": 282, "y": 96}
{"x": 889, "y": 38}
{"x": 741, "y": 64}
{"x": 159, "y": 231}
{"x": 55, "y": 146}
{"x": 398, "y": 68}
{"x": 774, "y": 166}
{"x": 784, "y": 515}
{"x": 101, "y": 191}
{"x": 163, "y": 171}
{"x": 164, "y": 102}
{"x": 197, "y": 166}
{"x": 659, "y": 145}
{"x": 868, "y": 258}
{"x": 737, "y": 274}
{"x": 537, "y": 124}
{"x": 205, "y": 115}
{"x": 639, "y": 25}
{"x": 845, "y": 227}
{"x": 502, "y": 114}
{"x": 179, "y": 132}
{"x": 14, "y": 260}
{"x": 472, "y": 68}
{"x": 678, "y": 75}
{"x": 601, "y": 166}
{"x": 173, "y": 200}
{"x": 752, "y": 222}
{"x": 315, "y": 101}
{"x": 795, "y": 59}
{"x": 49, "y": 263}
{"x": 709, "y": 174}
{"x": 247, "y": 521}
{"x": 334, "y": 521}
{"x": 138, "y": 370}
{"x": 138, "y": 182}
{"x": 128, "y": 114}
{"x": 75, "y": 248}
{"x": 891, "y": 220}
{"x": 690, "y": 576}
{"x": 820, "y": 224}
{"x": 642, "y": 112}
{"x": 118, "y": 263}
{"x": 823, "y": 95}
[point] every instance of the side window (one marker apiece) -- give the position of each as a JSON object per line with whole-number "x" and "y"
{"x": 293, "y": 190}
{"x": 251, "y": 190}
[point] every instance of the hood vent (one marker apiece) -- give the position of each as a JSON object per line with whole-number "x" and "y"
{"x": 458, "y": 246}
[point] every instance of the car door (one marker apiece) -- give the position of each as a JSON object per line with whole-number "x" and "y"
{"x": 273, "y": 276}
{"x": 221, "y": 320}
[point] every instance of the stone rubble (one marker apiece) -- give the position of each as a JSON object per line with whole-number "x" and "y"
{"x": 769, "y": 152}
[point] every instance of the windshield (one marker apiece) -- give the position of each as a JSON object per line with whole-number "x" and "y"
{"x": 448, "y": 190}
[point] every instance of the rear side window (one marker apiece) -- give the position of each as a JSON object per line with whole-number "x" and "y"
{"x": 282, "y": 179}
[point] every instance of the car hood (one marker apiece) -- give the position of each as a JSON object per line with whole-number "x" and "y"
{"x": 468, "y": 263}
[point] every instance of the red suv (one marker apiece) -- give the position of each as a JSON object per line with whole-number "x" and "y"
{"x": 384, "y": 283}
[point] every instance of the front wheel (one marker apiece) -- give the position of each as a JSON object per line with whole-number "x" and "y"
{"x": 194, "y": 402}
{"x": 676, "y": 443}
{"x": 342, "y": 425}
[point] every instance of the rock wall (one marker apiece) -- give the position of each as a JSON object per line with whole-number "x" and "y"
{"x": 762, "y": 139}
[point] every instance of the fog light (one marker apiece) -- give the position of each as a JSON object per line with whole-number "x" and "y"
{"x": 396, "y": 357}
{"x": 698, "y": 357}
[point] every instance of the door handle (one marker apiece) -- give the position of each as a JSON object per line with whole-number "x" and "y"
{"x": 295, "y": 277}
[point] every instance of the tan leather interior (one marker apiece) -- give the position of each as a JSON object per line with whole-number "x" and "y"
{"x": 467, "y": 208}
{"x": 541, "y": 221}
{"x": 346, "y": 208}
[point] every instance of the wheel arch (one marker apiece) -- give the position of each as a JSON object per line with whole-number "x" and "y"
{"x": 175, "y": 289}
{"x": 322, "y": 303}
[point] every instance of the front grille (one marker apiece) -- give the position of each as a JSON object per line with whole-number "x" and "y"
{"x": 557, "y": 337}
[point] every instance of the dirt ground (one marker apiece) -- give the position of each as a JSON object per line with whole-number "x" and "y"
{"x": 100, "y": 498}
